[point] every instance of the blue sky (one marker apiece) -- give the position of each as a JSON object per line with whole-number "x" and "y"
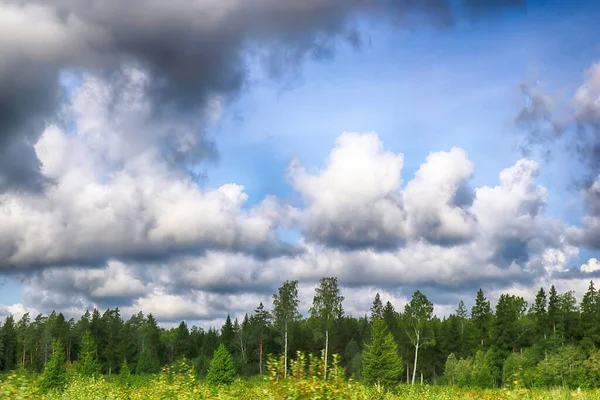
{"x": 422, "y": 90}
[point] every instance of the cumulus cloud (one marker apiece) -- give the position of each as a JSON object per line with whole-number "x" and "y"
{"x": 437, "y": 199}
{"x": 505, "y": 240}
{"x": 591, "y": 265}
{"x": 588, "y": 234}
{"x": 114, "y": 194}
{"x": 355, "y": 201}
{"x": 359, "y": 223}
{"x": 17, "y": 311}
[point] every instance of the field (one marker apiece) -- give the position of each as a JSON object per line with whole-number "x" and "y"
{"x": 185, "y": 385}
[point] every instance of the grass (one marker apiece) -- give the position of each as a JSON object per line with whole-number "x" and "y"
{"x": 187, "y": 386}
{"x": 181, "y": 382}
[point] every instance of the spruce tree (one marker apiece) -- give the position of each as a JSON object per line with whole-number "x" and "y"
{"x": 146, "y": 364}
{"x": 222, "y": 369}
{"x": 228, "y": 334}
{"x": 381, "y": 363}
{"x": 55, "y": 374}
{"x": 481, "y": 316}
{"x": 540, "y": 314}
{"x": 553, "y": 309}
{"x": 377, "y": 308}
{"x": 125, "y": 373}
{"x": 87, "y": 364}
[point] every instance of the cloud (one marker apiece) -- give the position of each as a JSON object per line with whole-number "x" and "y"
{"x": 581, "y": 128}
{"x": 589, "y": 234}
{"x": 355, "y": 201}
{"x": 591, "y": 265}
{"x": 434, "y": 206}
{"x": 17, "y": 311}
{"x": 114, "y": 194}
{"x": 544, "y": 119}
{"x": 191, "y": 50}
{"x": 506, "y": 241}
{"x": 127, "y": 230}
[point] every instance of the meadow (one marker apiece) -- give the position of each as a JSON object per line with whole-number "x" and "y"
{"x": 181, "y": 381}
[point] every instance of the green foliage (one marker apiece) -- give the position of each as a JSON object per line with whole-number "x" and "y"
{"x": 327, "y": 303}
{"x": 87, "y": 364}
{"x": 554, "y": 343}
{"x": 222, "y": 369}
{"x": 481, "y": 316}
{"x": 513, "y": 370}
{"x": 8, "y": 344}
{"x": 146, "y": 363}
{"x": 55, "y": 374}
{"x": 124, "y": 373}
{"x": 380, "y": 360}
{"x": 450, "y": 369}
{"x": 377, "y": 308}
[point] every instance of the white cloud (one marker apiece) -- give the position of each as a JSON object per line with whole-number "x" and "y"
{"x": 591, "y": 265}
{"x": 114, "y": 195}
{"x": 355, "y": 200}
{"x": 587, "y": 97}
{"x": 17, "y": 311}
{"x": 430, "y": 198}
{"x": 493, "y": 237}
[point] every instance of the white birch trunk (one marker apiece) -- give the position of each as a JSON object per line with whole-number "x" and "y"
{"x": 416, "y": 358}
{"x": 326, "y": 350}
{"x": 285, "y": 350}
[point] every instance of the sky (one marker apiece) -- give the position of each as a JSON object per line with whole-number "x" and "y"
{"x": 186, "y": 160}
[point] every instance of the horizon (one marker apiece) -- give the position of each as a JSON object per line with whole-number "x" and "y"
{"x": 187, "y": 163}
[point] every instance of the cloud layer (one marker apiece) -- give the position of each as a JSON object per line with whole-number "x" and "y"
{"x": 104, "y": 109}
{"x": 121, "y": 225}
{"x": 191, "y": 51}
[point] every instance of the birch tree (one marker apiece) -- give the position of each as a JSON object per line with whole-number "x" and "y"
{"x": 327, "y": 308}
{"x": 285, "y": 311}
{"x": 418, "y": 314}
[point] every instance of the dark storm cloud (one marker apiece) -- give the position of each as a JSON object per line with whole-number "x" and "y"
{"x": 192, "y": 49}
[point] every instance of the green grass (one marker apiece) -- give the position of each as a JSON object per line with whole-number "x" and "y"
{"x": 187, "y": 386}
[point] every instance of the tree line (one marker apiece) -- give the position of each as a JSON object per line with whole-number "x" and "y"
{"x": 553, "y": 341}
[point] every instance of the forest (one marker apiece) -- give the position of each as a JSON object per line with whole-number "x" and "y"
{"x": 551, "y": 343}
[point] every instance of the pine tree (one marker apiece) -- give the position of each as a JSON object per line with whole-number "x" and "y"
{"x": 553, "y": 308}
{"x": 380, "y": 360}
{"x": 182, "y": 339}
{"x": 259, "y": 322}
{"x": 590, "y": 315}
{"x": 221, "y": 370}
{"x": 228, "y": 334}
{"x": 87, "y": 363}
{"x": 377, "y": 308}
{"x": 55, "y": 374}
{"x": 9, "y": 339}
{"x": 481, "y": 317}
{"x": 539, "y": 313}
{"x": 462, "y": 314}
{"x": 146, "y": 364}
{"x": 125, "y": 373}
